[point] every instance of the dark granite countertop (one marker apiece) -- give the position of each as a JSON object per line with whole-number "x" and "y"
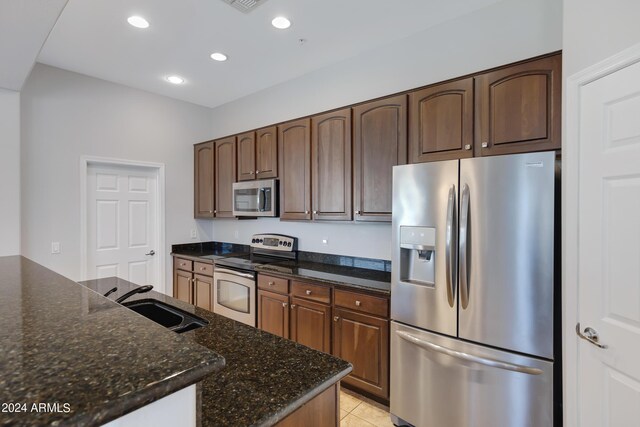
{"x": 265, "y": 377}
{"x": 339, "y": 275}
{"x": 208, "y": 251}
{"x": 63, "y": 343}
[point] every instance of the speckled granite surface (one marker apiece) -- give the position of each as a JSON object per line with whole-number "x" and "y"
{"x": 62, "y": 343}
{"x": 265, "y": 378}
{"x": 208, "y": 251}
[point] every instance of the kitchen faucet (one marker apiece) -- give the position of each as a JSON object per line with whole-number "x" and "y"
{"x": 132, "y": 292}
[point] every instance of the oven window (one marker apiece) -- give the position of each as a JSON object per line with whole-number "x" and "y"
{"x": 234, "y": 296}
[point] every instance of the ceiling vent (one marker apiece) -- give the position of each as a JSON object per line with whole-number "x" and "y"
{"x": 244, "y": 6}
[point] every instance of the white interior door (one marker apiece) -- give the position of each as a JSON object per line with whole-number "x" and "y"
{"x": 122, "y": 223}
{"x": 609, "y": 249}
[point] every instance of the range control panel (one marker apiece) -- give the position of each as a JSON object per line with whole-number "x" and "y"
{"x": 276, "y": 242}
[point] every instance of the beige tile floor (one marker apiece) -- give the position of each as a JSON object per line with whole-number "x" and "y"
{"x": 358, "y": 411}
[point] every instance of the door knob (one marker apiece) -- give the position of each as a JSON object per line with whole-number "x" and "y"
{"x": 590, "y": 335}
{"x": 152, "y": 253}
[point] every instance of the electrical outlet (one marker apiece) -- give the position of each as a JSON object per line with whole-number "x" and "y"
{"x": 325, "y": 241}
{"x": 236, "y": 234}
{"x": 55, "y": 247}
{"x": 194, "y": 233}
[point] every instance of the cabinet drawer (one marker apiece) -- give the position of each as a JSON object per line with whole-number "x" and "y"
{"x": 183, "y": 264}
{"x": 311, "y": 292}
{"x": 361, "y": 302}
{"x": 203, "y": 268}
{"x": 273, "y": 284}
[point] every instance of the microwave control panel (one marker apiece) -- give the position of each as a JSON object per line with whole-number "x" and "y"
{"x": 278, "y": 242}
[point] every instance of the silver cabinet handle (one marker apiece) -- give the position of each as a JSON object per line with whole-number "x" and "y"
{"x": 257, "y": 172}
{"x": 215, "y": 211}
{"x": 468, "y": 357}
{"x": 284, "y": 304}
{"x": 315, "y": 212}
{"x": 590, "y": 335}
{"x": 152, "y": 253}
{"x": 357, "y": 212}
{"x": 210, "y": 211}
{"x": 485, "y": 144}
{"x": 358, "y": 303}
{"x": 306, "y": 212}
{"x": 270, "y": 283}
{"x": 449, "y": 243}
{"x": 203, "y": 268}
{"x": 308, "y": 292}
{"x": 464, "y": 230}
{"x": 251, "y": 173}
{"x": 293, "y": 306}
{"x": 336, "y": 318}
{"x": 467, "y": 147}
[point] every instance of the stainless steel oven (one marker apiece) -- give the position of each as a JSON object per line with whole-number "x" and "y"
{"x": 234, "y": 295}
{"x": 255, "y": 198}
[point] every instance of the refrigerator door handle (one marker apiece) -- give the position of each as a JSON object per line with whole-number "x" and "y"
{"x": 450, "y": 242}
{"x": 469, "y": 357}
{"x": 464, "y": 231}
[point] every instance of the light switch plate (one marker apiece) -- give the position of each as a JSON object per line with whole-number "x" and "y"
{"x": 55, "y": 247}
{"x": 194, "y": 233}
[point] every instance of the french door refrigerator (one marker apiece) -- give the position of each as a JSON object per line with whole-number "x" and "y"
{"x": 472, "y": 292}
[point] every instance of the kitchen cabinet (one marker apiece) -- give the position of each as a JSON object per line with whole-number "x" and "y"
{"x": 295, "y": 162}
{"x": 258, "y": 154}
{"x": 193, "y": 282}
{"x": 331, "y": 165}
{"x": 441, "y": 122}
{"x": 351, "y": 324}
{"x": 225, "y": 176}
{"x": 380, "y": 143}
{"x": 204, "y": 180}
{"x": 518, "y": 108}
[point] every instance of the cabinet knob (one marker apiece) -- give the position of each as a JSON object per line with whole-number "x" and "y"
{"x": 306, "y": 212}
{"x": 293, "y": 306}
{"x": 284, "y": 304}
{"x": 315, "y": 212}
{"x": 357, "y": 212}
{"x": 250, "y": 172}
{"x": 358, "y": 303}
{"x": 270, "y": 283}
{"x": 336, "y": 318}
{"x": 215, "y": 211}
{"x": 308, "y": 292}
{"x": 485, "y": 144}
{"x": 210, "y": 211}
{"x": 257, "y": 172}
{"x": 203, "y": 268}
{"x": 467, "y": 147}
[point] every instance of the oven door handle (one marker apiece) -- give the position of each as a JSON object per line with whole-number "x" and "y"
{"x": 233, "y": 272}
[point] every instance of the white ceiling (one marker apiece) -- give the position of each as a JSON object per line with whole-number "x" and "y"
{"x": 24, "y": 27}
{"x": 94, "y": 38}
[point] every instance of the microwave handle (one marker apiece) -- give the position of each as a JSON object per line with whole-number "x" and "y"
{"x": 262, "y": 200}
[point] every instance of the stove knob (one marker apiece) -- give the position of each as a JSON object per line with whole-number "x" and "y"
{"x": 253, "y": 240}
{"x": 289, "y": 244}
{"x": 261, "y": 240}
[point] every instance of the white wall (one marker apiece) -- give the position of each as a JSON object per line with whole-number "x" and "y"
{"x": 595, "y": 30}
{"x": 505, "y": 32}
{"x": 66, "y": 115}
{"x": 9, "y": 172}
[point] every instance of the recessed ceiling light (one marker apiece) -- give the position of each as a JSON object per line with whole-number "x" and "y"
{"x": 281, "y": 22}
{"x": 138, "y": 22}
{"x": 176, "y": 80}
{"x": 217, "y": 56}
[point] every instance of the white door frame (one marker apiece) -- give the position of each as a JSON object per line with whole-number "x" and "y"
{"x": 570, "y": 216}
{"x": 85, "y": 161}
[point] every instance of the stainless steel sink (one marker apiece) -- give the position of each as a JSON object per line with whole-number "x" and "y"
{"x": 166, "y": 315}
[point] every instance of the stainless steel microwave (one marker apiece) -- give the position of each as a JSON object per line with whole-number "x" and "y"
{"x": 255, "y": 198}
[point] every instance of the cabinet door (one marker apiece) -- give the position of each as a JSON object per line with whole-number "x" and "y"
{"x": 273, "y": 313}
{"x": 364, "y": 342}
{"x": 246, "y": 156}
{"x": 441, "y": 122}
{"x": 295, "y": 162}
{"x": 311, "y": 324}
{"x": 331, "y": 165}
{"x": 518, "y": 108}
{"x": 182, "y": 289}
{"x": 203, "y": 199}
{"x": 380, "y": 143}
{"x": 203, "y": 291}
{"x": 225, "y": 176}
{"x": 267, "y": 153}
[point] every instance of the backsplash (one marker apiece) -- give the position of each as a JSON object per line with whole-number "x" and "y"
{"x": 347, "y": 261}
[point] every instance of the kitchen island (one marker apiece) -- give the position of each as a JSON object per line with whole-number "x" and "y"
{"x": 70, "y": 356}
{"x": 267, "y": 380}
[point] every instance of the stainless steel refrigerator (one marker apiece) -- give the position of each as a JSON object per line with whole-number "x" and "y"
{"x": 472, "y": 292}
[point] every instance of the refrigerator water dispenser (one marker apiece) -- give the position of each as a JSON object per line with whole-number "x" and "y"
{"x": 417, "y": 255}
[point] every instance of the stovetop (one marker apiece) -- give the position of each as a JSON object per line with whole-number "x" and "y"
{"x": 265, "y": 249}
{"x": 246, "y": 262}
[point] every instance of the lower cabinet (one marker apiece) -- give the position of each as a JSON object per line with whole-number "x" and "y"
{"x": 191, "y": 287}
{"x": 363, "y": 341}
{"x": 351, "y": 325}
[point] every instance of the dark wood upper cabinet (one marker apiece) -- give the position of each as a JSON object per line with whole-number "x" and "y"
{"x": 331, "y": 165}
{"x": 311, "y": 324}
{"x": 380, "y": 143}
{"x": 203, "y": 203}
{"x": 267, "y": 153}
{"x": 225, "y": 176}
{"x": 441, "y": 122}
{"x": 518, "y": 108}
{"x": 246, "y": 156}
{"x": 295, "y": 169}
